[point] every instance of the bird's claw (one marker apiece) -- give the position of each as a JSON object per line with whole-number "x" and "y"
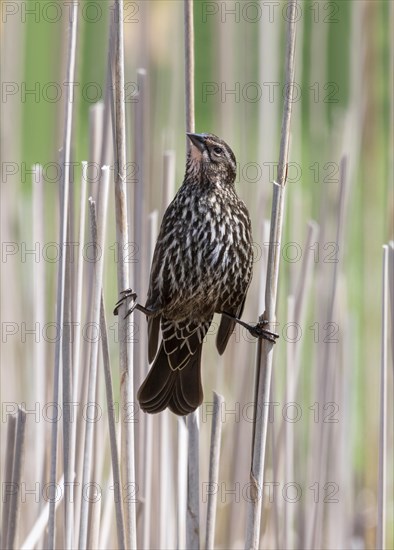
{"x": 126, "y": 294}
{"x": 258, "y": 331}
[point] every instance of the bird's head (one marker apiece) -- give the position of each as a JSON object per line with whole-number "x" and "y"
{"x": 211, "y": 158}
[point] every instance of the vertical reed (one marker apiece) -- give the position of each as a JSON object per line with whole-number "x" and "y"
{"x": 59, "y": 361}
{"x": 125, "y": 352}
{"x": 265, "y": 348}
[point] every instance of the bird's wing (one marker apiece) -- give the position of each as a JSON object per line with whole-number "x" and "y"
{"x": 160, "y": 284}
{"x": 160, "y": 292}
{"x": 226, "y": 327}
{"x": 182, "y": 339}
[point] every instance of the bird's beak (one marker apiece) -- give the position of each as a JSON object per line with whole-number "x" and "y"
{"x": 198, "y": 141}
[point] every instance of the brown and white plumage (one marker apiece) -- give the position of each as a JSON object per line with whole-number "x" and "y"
{"x": 202, "y": 265}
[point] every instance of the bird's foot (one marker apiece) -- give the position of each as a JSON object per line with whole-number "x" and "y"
{"x": 125, "y": 295}
{"x": 258, "y": 331}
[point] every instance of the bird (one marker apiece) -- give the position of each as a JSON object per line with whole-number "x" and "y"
{"x": 202, "y": 265}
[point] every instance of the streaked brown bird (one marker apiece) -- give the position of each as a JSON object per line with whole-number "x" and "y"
{"x": 202, "y": 264}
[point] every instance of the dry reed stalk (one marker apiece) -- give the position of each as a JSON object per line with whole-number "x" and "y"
{"x": 106, "y": 540}
{"x": 164, "y": 480}
{"x": 288, "y": 538}
{"x": 7, "y": 478}
{"x": 100, "y": 442}
{"x": 193, "y": 483}
{"x": 82, "y": 393}
{"x": 193, "y": 505}
{"x": 99, "y": 122}
{"x": 77, "y": 350}
{"x": 98, "y": 230}
{"x": 382, "y": 504}
{"x": 214, "y": 460}
{"x": 94, "y": 525}
{"x": 182, "y": 482}
{"x": 147, "y": 443}
{"x": 87, "y": 428}
{"x": 277, "y": 509}
{"x": 40, "y": 377}
{"x": 61, "y": 289}
{"x": 235, "y": 531}
{"x": 138, "y": 216}
{"x": 147, "y": 525}
{"x": 345, "y": 512}
{"x": 112, "y": 429}
{"x": 125, "y": 352}
{"x": 391, "y": 284}
{"x": 189, "y": 66}
{"x": 137, "y": 212}
{"x": 265, "y": 348}
{"x": 101, "y": 151}
{"x": 339, "y": 517}
{"x": 19, "y": 451}
{"x": 67, "y": 416}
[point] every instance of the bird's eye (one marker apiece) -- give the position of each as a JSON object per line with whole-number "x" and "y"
{"x": 217, "y": 150}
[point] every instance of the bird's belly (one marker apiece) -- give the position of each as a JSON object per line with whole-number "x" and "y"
{"x": 209, "y": 275}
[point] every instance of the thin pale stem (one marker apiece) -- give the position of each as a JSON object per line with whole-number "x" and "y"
{"x": 39, "y": 297}
{"x": 13, "y": 517}
{"x": 98, "y": 238}
{"x": 61, "y": 286}
{"x": 112, "y": 429}
{"x": 125, "y": 351}
{"x": 189, "y": 66}
{"x": 214, "y": 459}
{"x": 193, "y": 507}
{"x": 77, "y": 351}
{"x": 7, "y": 478}
{"x": 138, "y": 218}
{"x": 381, "y": 524}
{"x": 182, "y": 482}
{"x": 193, "y": 476}
{"x": 265, "y": 347}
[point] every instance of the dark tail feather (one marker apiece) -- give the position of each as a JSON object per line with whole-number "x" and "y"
{"x": 180, "y": 389}
{"x": 188, "y": 392}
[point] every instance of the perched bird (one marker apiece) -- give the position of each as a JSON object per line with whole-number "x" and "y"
{"x": 202, "y": 264}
